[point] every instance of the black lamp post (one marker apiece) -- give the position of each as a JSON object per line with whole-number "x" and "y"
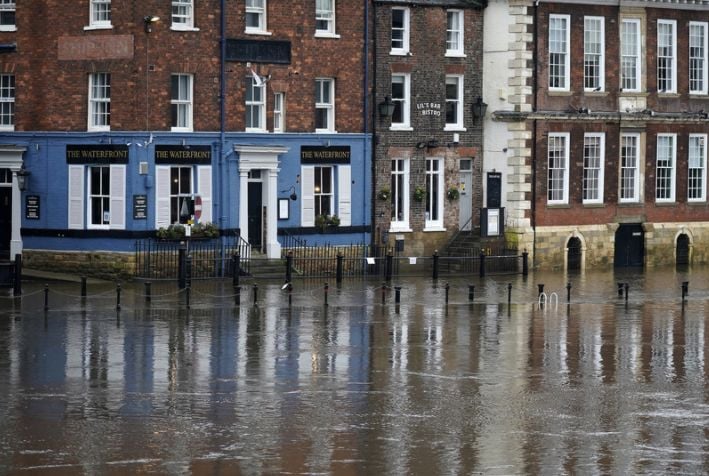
{"x": 479, "y": 110}
{"x": 386, "y": 107}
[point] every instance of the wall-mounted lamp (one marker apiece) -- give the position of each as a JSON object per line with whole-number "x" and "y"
{"x": 431, "y": 144}
{"x": 479, "y": 109}
{"x": 293, "y": 196}
{"x": 386, "y": 107}
{"x": 22, "y": 178}
{"x": 148, "y": 20}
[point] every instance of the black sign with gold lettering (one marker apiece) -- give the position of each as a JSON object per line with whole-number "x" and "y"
{"x": 312, "y": 154}
{"x": 96, "y": 154}
{"x": 32, "y": 207}
{"x": 140, "y": 207}
{"x": 183, "y": 154}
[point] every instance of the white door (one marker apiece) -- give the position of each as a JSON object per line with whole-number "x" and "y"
{"x": 466, "y": 194}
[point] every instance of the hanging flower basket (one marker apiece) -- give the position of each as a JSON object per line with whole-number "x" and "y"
{"x": 453, "y": 193}
{"x": 326, "y": 221}
{"x": 384, "y": 194}
{"x": 419, "y": 194}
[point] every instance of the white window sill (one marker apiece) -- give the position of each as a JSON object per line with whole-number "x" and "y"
{"x": 99, "y": 129}
{"x": 401, "y": 128}
{"x": 258, "y": 131}
{"x": 183, "y": 28}
{"x": 434, "y": 228}
{"x": 180, "y": 129}
{"x": 633, "y": 202}
{"x": 8, "y": 28}
{"x": 278, "y": 131}
{"x": 99, "y": 27}
{"x": 258, "y": 32}
{"x": 98, "y": 227}
{"x": 558, "y": 204}
{"x": 323, "y": 34}
{"x": 399, "y": 53}
{"x": 7, "y": 128}
{"x": 455, "y": 54}
{"x": 400, "y": 229}
{"x": 325, "y": 131}
{"x": 455, "y": 128}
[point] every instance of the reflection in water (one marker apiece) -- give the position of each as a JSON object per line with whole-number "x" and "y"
{"x": 596, "y": 386}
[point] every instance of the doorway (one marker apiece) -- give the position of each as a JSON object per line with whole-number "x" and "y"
{"x": 682, "y": 250}
{"x": 629, "y": 245}
{"x": 573, "y": 256}
{"x": 465, "y": 219}
{"x": 256, "y": 215}
{"x": 5, "y": 221}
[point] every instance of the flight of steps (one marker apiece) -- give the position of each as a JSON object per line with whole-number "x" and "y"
{"x": 263, "y": 268}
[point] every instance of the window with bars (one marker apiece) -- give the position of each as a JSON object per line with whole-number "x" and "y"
{"x": 593, "y": 154}
{"x": 665, "y": 168}
{"x": 255, "y": 106}
{"x": 324, "y": 105}
{"x": 7, "y": 101}
{"x": 7, "y": 15}
{"x": 593, "y": 53}
{"x": 454, "y": 33}
{"x": 666, "y": 56}
{"x": 99, "y": 101}
{"x": 399, "y": 31}
{"x": 325, "y": 17}
{"x": 182, "y": 14}
{"x": 558, "y": 168}
{"x": 630, "y": 54}
{"x": 100, "y": 15}
{"x": 256, "y": 16}
{"x": 400, "y": 87}
{"x": 559, "y": 52}
{"x": 181, "y": 102}
{"x": 454, "y": 102}
{"x": 697, "y": 57}
{"x": 697, "y": 169}
{"x": 400, "y": 194}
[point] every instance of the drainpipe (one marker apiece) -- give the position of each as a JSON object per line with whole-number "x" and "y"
{"x": 221, "y": 206}
{"x": 374, "y": 229}
{"x": 533, "y": 217}
{"x": 365, "y": 113}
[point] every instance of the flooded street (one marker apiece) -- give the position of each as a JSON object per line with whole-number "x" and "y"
{"x": 602, "y": 385}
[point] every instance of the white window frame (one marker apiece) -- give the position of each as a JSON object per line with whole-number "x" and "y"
{"x": 7, "y": 6}
{"x": 260, "y": 11}
{"x": 326, "y": 15}
{"x": 434, "y": 201}
{"x": 665, "y": 169}
{"x": 455, "y": 33}
{"x": 80, "y": 197}
{"x": 593, "y": 167}
{"x": 629, "y": 173}
{"x": 183, "y": 15}
{"x": 279, "y": 112}
{"x": 630, "y": 29}
{"x": 96, "y": 9}
{"x": 329, "y": 107}
{"x": 400, "y": 178}
{"x": 457, "y": 102}
{"x": 102, "y": 195}
{"x": 697, "y": 168}
{"x": 560, "y": 196}
{"x": 672, "y": 58}
{"x": 258, "y": 105}
{"x": 405, "y": 31}
{"x": 180, "y": 196}
{"x": 594, "y": 55}
{"x": 562, "y": 49}
{"x": 164, "y": 195}
{"x": 183, "y": 103}
{"x": 403, "y": 102}
{"x": 7, "y": 102}
{"x": 320, "y": 195}
{"x": 698, "y": 57}
{"x": 98, "y": 102}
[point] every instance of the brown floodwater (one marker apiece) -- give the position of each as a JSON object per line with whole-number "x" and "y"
{"x": 499, "y": 385}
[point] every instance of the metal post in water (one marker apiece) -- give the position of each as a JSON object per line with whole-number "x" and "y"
{"x": 509, "y": 293}
{"x": 388, "y": 266}
{"x": 83, "y": 287}
{"x": 255, "y": 291}
{"x": 326, "y": 289}
{"x": 540, "y": 287}
{"x": 118, "y": 297}
{"x": 435, "y": 264}
{"x": 148, "y": 292}
{"x": 447, "y": 290}
{"x": 17, "y": 288}
{"x": 397, "y": 294}
{"x": 182, "y": 266}
{"x": 290, "y": 295}
{"x": 289, "y": 266}
{"x": 384, "y": 293}
{"x": 685, "y": 289}
{"x": 46, "y": 297}
{"x": 338, "y": 272}
{"x": 187, "y": 296}
{"x": 237, "y": 295}
{"x": 525, "y": 263}
{"x": 625, "y": 287}
{"x": 620, "y": 289}
{"x": 482, "y": 264}
{"x": 471, "y": 292}
{"x": 568, "y": 292}
{"x": 236, "y": 266}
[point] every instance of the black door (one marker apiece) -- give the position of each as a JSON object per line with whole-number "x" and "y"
{"x": 573, "y": 261}
{"x": 255, "y": 214}
{"x": 629, "y": 245}
{"x": 682, "y": 250}
{"x": 5, "y": 221}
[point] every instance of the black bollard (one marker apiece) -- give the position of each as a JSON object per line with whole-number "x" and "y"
{"x": 17, "y": 285}
{"x": 290, "y": 295}
{"x": 148, "y": 292}
{"x": 236, "y": 267}
{"x": 482, "y": 264}
{"x": 83, "y": 287}
{"x": 187, "y": 296}
{"x": 471, "y": 292}
{"x": 435, "y": 264}
{"x": 326, "y": 289}
{"x": 118, "y": 297}
{"x": 685, "y": 289}
{"x": 46, "y": 297}
{"x": 255, "y": 291}
{"x": 620, "y": 289}
{"x": 182, "y": 266}
{"x": 625, "y": 287}
{"x": 525, "y": 263}
{"x": 447, "y": 290}
{"x": 237, "y": 296}
{"x": 568, "y": 292}
{"x": 509, "y": 293}
{"x": 389, "y": 266}
{"x": 384, "y": 293}
{"x": 338, "y": 272}
{"x": 397, "y": 294}
{"x": 289, "y": 267}
{"x": 540, "y": 287}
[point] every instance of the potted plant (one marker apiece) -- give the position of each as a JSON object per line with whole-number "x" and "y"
{"x": 326, "y": 221}
{"x": 384, "y": 194}
{"x": 453, "y": 193}
{"x": 419, "y": 194}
